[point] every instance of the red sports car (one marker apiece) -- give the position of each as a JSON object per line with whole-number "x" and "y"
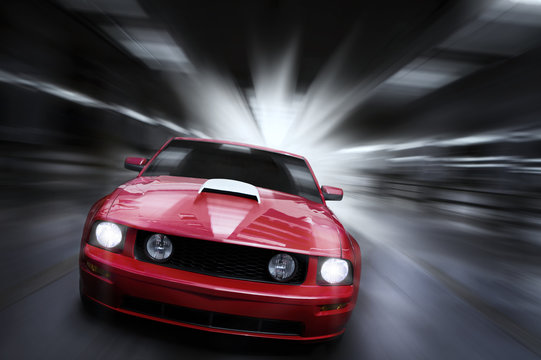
{"x": 223, "y": 237}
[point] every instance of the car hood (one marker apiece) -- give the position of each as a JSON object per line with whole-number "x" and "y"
{"x": 173, "y": 205}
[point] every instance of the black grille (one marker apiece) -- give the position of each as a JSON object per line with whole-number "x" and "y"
{"x": 222, "y": 260}
{"x": 211, "y": 319}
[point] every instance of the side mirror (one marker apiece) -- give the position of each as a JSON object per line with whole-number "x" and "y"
{"x": 332, "y": 193}
{"x": 135, "y": 163}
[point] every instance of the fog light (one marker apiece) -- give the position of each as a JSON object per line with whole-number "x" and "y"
{"x": 282, "y": 267}
{"x": 158, "y": 247}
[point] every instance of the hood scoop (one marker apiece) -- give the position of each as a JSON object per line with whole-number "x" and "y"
{"x": 231, "y": 187}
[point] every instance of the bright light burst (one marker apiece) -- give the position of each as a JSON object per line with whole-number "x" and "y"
{"x": 274, "y": 113}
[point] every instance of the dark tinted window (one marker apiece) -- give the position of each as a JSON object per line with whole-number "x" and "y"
{"x": 257, "y": 167}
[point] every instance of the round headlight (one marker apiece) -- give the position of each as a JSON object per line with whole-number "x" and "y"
{"x": 108, "y": 234}
{"x": 334, "y": 271}
{"x": 282, "y": 267}
{"x": 158, "y": 247}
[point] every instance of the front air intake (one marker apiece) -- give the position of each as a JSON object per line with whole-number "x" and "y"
{"x": 221, "y": 259}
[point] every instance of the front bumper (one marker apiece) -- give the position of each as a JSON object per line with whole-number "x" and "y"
{"x": 215, "y": 304}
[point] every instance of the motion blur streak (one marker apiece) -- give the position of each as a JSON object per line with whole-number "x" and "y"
{"x": 427, "y": 113}
{"x": 208, "y": 96}
{"x": 274, "y": 102}
{"x": 84, "y": 100}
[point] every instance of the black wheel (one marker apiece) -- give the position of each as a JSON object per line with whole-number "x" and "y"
{"x": 88, "y": 305}
{"x": 333, "y": 344}
{"x": 92, "y": 307}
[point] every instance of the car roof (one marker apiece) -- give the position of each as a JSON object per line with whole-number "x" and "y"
{"x": 240, "y": 144}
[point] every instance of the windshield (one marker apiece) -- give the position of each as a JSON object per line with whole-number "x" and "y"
{"x": 260, "y": 168}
